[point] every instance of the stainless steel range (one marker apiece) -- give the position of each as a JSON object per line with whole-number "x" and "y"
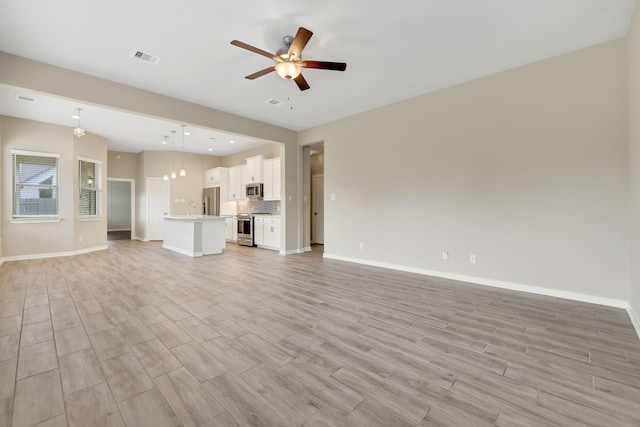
{"x": 245, "y": 229}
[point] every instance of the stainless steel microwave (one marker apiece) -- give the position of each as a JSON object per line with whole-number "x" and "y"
{"x": 254, "y": 191}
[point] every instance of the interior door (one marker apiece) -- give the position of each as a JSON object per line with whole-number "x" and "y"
{"x": 157, "y": 207}
{"x": 317, "y": 209}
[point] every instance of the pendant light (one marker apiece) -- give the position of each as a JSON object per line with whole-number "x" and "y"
{"x": 183, "y": 172}
{"x": 166, "y": 175}
{"x": 78, "y": 131}
{"x": 173, "y": 154}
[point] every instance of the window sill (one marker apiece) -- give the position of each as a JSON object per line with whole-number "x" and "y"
{"x": 90, "y": 218}
{"x": 34, "y": 220}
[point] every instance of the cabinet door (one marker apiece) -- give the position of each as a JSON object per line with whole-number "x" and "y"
{"x": 228, "y": 229}
{"x": 236, "y": 189}
{"x": 208, "y": 178}
{"x": 276, "y": 180}
{"x": 258, "y": 232}
{"x": 272, "y": 233}
{"x": 254, "y": 170}
{"x": 267, "y": 175}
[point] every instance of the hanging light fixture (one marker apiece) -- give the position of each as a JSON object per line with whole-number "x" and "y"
{"x": 166, "y": 175}
{"x": 78, "y": 131}
{"x": 183, "y": 172}
{"x": 173, "y": 154}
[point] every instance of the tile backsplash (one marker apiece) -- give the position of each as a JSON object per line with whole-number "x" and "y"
{"x": 259, "y": 206}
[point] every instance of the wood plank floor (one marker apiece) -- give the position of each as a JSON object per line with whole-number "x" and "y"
{"x": 140, "y": 336}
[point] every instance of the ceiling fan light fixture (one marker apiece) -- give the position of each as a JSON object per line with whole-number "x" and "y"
{"x": 288, "y": 70}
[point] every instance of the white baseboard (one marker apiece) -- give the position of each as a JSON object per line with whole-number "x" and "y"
{"x": 182, "y": 251}
{"x": 558, "y": 293}
{"x": 54, "y": 254}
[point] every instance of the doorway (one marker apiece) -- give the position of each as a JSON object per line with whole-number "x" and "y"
{"x": 316, "y": 175}
{"x": 157, "y": 207}
{"x": 317, "y": 209}
{"x": 120, "y": 209}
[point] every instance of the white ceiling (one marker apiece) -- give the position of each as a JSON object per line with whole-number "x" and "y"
{"x": 394, "y": 50}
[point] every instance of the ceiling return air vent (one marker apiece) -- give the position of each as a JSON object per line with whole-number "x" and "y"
{"x": 146, "y": 57}
{"x": 274, "y": 102}
{"x": 25, "y": 98}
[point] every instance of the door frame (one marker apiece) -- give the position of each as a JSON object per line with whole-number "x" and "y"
{"x": 132, "y": 183}
{"x": 146, "y": 203}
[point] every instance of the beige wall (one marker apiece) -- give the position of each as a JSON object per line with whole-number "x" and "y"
{"x": 269, "y": 151}
{"x": 317, "y": 164}
{"x": 59, "y": 237}
{"x": 633, "y": 52}
{"x": 122, "y": 165}
{"x": 526, "y": 169}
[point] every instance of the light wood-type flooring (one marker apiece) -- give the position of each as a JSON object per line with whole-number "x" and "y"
{"x": 140, "y": 336}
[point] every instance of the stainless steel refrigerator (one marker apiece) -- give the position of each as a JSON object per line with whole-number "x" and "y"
{"x": 211, "y": 201}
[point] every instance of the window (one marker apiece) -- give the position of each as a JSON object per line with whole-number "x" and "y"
{"x": 90, "y": 181}
{"x": 35, "y": 184}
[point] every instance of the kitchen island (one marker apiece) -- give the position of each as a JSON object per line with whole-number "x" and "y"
{"x": 194, "y": 235}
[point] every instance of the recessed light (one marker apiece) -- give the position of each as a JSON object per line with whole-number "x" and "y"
{"x": 232, "y": 142}
{"x": 210, "y": 149}
{"x": 75, "y": 116}
{"x": 212, "y": 138}
{"x": 187, "y": 133}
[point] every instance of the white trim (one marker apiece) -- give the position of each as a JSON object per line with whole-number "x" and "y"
{"x": 635, "y": 320}
{"x": 305, "y": 249}
{"x": 34, "y": 220}
{"x": 88, "y": 160}
{"x": 85, "y": 218}
{"x": 558, "y": 293}
{"x": 54, "y": 254}
{"x": 35, "y": 153}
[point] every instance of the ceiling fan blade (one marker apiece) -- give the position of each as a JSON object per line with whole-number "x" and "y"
{"x": 299, "y": 42}
{"x": 254, "y": 49}
{"x": 301, "y": 82}
{"x": 324, "y": 65}
{"x": 260, "y": 73}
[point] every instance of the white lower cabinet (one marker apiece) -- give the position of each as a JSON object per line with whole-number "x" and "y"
{"x": 266, "y": 232}
{"x": 258, "y": 231}
{"x": 231, "y": 229}
{"x": 272, "y": 233}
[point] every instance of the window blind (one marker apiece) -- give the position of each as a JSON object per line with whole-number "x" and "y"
{"x": 89, "y": 179}
{"x": 35, "y": 184}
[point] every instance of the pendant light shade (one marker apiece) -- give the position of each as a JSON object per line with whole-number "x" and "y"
{"x": 78, "y": 131}
{"x": 183, "y": 171}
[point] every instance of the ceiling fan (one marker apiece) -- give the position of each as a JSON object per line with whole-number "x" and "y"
{"x": 289, "y": 62}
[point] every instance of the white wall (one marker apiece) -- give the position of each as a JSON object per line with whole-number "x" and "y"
{"x": 526, "y": 169}
{"x": 633, "y": 51}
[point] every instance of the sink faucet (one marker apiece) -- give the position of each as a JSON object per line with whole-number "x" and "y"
{"x": 190, "y": 205}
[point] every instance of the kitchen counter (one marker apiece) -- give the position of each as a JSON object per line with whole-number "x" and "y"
{"x": 194, "y": 235}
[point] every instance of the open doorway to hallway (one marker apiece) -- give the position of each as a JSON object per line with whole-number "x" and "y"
{"x": 316, "y": 170}
{"x": 120, "y": 209}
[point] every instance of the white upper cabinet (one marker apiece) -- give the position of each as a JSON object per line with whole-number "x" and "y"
{"x": 237, "y": 177}
{"x": 254, "y": 169}
{"x": 271, "y": 179}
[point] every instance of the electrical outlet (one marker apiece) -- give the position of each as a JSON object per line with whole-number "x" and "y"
{"x": 361, "y": 245}
{"x": 445, "y": 256}
{"x": 472, "y": 259}
{"x": 333, "y": 197}
{"x": 80, "y": 238}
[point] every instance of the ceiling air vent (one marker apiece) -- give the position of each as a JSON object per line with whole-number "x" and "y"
{"x": 274, "y": 102}
{"x": 146, "y": 57}
{"x": 26, "y": 99}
